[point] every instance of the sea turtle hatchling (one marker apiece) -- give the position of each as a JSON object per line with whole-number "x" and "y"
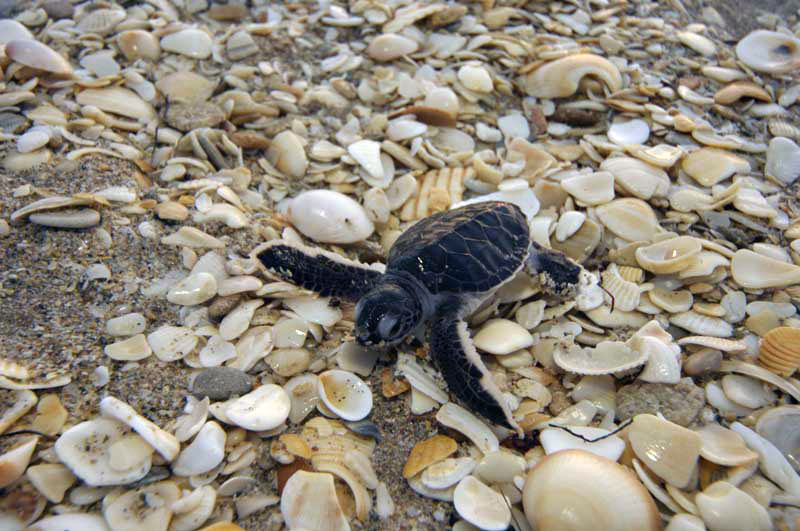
{"x": 438, "y": 271}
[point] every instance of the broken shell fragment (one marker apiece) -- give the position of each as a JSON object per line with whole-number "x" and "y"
{"x": 555, "y": 440}
{"x": 14, "y": 462}
{"x": 723, "y": 506}
{"x": 481, "y": 506}
{"x": 669, "y": 450}
{"x": 668, "y": 256}
{"x": 448, "y": 472}
{"x": 783, "y": 160}
{"x": 264, "y": 408}
{"x": 36, "y": 55}
{"x": 309, "y": 501}
{"x": 575, "y": 489}
{"x": 428, "y": 452}
{"x": 345, "y": 394}
{"x": 205, "y": 452}
{"x": 51, "y": 479}
{"x": 748, "y": 267}
{"x": 724, "y": 447}
{"x": 561, "y": 78}
{"x": 708, "y": 165}
{"x": 628, "y": 218}
{"x": 164, "y": 443}
{"x": 769, "y": 51}
{"x": 329, "y": 217}
{"x": 147, "y": 507}
{"x": 607, "y": 357}
{"x": 501, "y": 336}
{"x": 194, "y": 289}
{"x": 389, "y": 46}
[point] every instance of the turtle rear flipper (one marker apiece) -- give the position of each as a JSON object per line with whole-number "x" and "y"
{"x": 323, "y": 272}
{"x": 463, "y": 370}
{"x": 558, "y": 274}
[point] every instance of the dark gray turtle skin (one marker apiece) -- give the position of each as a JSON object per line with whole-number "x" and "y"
{"x": 437, "y": 272}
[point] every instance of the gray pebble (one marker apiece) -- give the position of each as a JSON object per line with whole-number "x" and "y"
{"x": 188, "y": 116}
{"x": 221, "y": 383}
{"x": 12, "y": 123}
{"x": 8, "y": 8}
{"x": 680, "y": 403}
{"x": 222, "y": 306}
{"x": 58, "y": 9}
{"x": 703, "y": 362}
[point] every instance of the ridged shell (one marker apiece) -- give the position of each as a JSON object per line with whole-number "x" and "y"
{"x": 626, "y": 294}
{"x": 780, "y": 350}
{"x": 631, "y": 219}
{"x": 437, "y": 190}
{"x": 702, "y": 324}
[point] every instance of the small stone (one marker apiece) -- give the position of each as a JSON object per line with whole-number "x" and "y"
{"x": 58, "y": 9}
{"x": 221, "y": 383}
{"x": 222, "y": 306}
{"x": 680, "y": 403}
{"x": 188, "y": 116}
{"x": 12, "y": 123}
{"x": 225, "y": 12}
{"x": 702, "y": 362}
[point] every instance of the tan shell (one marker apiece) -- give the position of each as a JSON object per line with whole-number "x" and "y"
{"x": 741, "y": 89}
{"x": 669, "y": 256}
{"x": 631, "y": 219}
{"x": 626, "y": 294}
{"x": 582, "y": 244}
{"x": 576, "y": 489}
{"x": 427, "y": 452}
{"x": 560, "y": 78}
{"x": 669, "y": 450}
{"x": 436, "y": 191}
{"x": 747, "y": 268}
{"x": 708, "y": 166}
{"x": 637, "y": 178}
{"x": 780, "y": 350}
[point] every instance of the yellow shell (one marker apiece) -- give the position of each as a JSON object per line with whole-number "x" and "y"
{"x": 780, "y": 350}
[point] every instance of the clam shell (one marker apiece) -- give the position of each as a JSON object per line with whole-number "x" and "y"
{"x": 631, "y": 219}
{"x": 780, "y": 350}
{"x": 669, "y": 256}
{"x": 389, "y": 46}
{"x": 481, "y": 506}
{"x": 669, "y": 450}
{"x": 555, "y": 440}
{"x": 769, "y": 51}
{"x": 607, "y": 358}
{"x": 747, "y": 391}
{"x": 724, "y": 447}
{"x": 345, "y": 394}
{"x": 579, "y": 490}
{"x": 723, "y": 506}
{"x": 780, "y": 427}
{"x": 637, "y": 178}
{"x": 502, "y": 336}
{"x": 330, "y": 217}
{"x": 747, "y": 268}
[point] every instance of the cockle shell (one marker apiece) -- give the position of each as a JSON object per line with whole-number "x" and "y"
{"x": 329, "y": 217}
{"x": 625, "y": 294}
{"x": 669, "y": 256}
{"x": 780, "y": 350}
{"x": 769, "y": 51}
{"x": 575, "y": 489}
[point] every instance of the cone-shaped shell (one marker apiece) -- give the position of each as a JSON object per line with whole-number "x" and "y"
{"x": 780, "y": 350}
{"x": 769, "y": 51}
{"x": 575, "y": 489}
{"x": 755, "y": 271}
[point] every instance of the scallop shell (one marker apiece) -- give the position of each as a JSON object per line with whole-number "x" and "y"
{"x": 769, "y": 51}
{"x": 345, "y": 394}
{"x": 669, "y": 256}
{"x": 607, "y": 358}
{"x": 780, "y": 350}
{"x": 637, "y": 178}
{"x": 575, "y": 489}
{"x": 630, "y": 219}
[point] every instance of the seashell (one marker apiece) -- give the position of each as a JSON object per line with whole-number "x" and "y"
{"x": 419, "y": 378}
{"x": 779, "y": 426}
{"x": 738, "y": 90}
{"x": 309, "y": 501}
{"x": 514, "y": 191}
{"x": 630, "y": 219}
{"x": 164, "y": 443}
{"x": 445, "y": 101}
{"x": 194, "y": 289}
{"x": 671, "y": 301}
{"x": 202, "y": 499}
{"x": 661, "y": 155}
{"x": 500, "y": 467}
{"x": 771, "y": 461}
{"x": 19, "y": 403}
{"x": 704, "y": 264}
{"x": 747, "y": 269}
{"x": 780, "y": 350}
{"x": 303, "y": 396}
{"x": 769, "y": 51}
{"x": 367, "y": 153}
{"x": 11, "y": 30}
{"x": 555, "y": 440}
{"x": 481, "y": 506}
{"x": 345, "y": 394}
{"x": 685, "y": 522}
{"x": 205, "y": 452}
{"x": 52, "y": 480}
{"x": 669, "y": 450}
{"x": 193, "y": 238}
{"x": 592, "y": 188}
{"x": 514, "y": 125}
{"x": 626, "y": 294}
{"x": 129, "y": 453}
{"x": 82, "y": 521}
{"x": 581, "y": 244}
{"x": 191, "y": 42}
{"x": 329, "y": 217}
{"x": 599, "y": 390}
{"x": 138, "y": 44}
{"x": 607, "y": 357}
{"x": 577, "y": 489}
{"x": 228, "y": 214}
{"x": 724, "y": 447}
{"x": 131, "y": 349}
{"x": 36, "y": 55}
{"x": 783, "y": 160}
{"x": 668, "y": 256}
{"x": 126, "y": 325}
{"x": 561, "y": 78}
{"x": 568, "y": 224}
{"x": 171, "y": 343}
{"x": 663, "y": 355}
{"x": 287, "y": 153}
{"x": 117, "y": 100}
{"x": 436, "y": 191}
{"x": 390, "y": 46}
{"x": 501, "y": 337}
{"x": 447, "y": 472}
{"x": 476, "y": 78}
{"x": 404, "y": 129}
{"x": 702, "y": 324}
{"x": 14, "y": 462}
{"x": 238, "y": 320}
{"x": 625, "y": 132}
{"x": 147, "y": 507}
{"x": 264, "y": 408}
{"x": 709, "y": 165}
{"x": 716, "y": 397}
{"x": 637, "y": 178}
{"x": 384, "y": 506}
{"x": 698, "y": 43}
{"x": 723, "y": 506}
{"x": 84, "y": 448}
{"x": 456, "y": 417}
{"x": 186, "y": 426}
{"x": 746, "y": 391}
{"x": 50, "y": 415}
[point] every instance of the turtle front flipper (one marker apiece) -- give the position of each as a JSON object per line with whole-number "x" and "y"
{"x": 323, "y": 272}
{"x": 557, "y": 274}
{"x": 463, "y": 370}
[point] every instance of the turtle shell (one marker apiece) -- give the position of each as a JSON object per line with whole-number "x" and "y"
{"x": 469, "y": 249}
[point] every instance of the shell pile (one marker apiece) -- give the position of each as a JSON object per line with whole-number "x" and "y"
{"x": 654, "y": 152}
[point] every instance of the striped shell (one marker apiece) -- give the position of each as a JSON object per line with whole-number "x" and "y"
{"x": 780, "y": 350}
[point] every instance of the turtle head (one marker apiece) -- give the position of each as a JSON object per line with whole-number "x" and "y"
{"x": 386, "y": 315}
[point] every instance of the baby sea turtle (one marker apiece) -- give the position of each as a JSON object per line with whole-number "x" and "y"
{"x": 439, "y": 271}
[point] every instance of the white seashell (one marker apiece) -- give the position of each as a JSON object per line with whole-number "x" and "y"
{"x": 637, "y": 178}
{"x": 190, "y": 42}
{"x": 238, "y": 284}
{"x": 669, "y": 256}
{"x": 779, "y": 426}
{"x": 705, "y": 262}
{"x": 367, "y": 153}
{"x": 329, "y": 217}
{"x": 32, "y": 140}
{"x": 303, "y": 396}
{"x": 443, "y": 99}
{"x": 131, "y": 349}
{"x": 702, "y": 324}
{"x": 52, "y": 480}
{"x": 389, "y": 46}
{"x": 164, "y": 443}
{"x": 14, "y": 462}
{"x": 82, "y": 521}
{"x": 404, "y": 129}
{"x": 698, "y": 43}
{"x": 501, "y": 336}
{"x": 205, "y": 452}
{"x": 147, "y": 507}
{"x": 345, "y": 394}
{"x": 456, "y": 417}
{"x": 747, "y": 269}
{"x": 723, "y": 506}
{"x": 663, "y": 355}
{"x": 194, "y": 289}
{"x": 446, "y": 473}
{"x": 708, "y": 166}
{"x": 216, "y": 352}
{"x": 221, "y": 212}
{"x": 186, "y": 426}
{"x": 669, "y": 450}
{"x": 32, "y": 53}
{"x": 599, "y": 390}
{"x": 476, "y": 77}
{"x": 568, "y": 224}
{"x": 201, "y": 500}
{"x": 290, "y": 333}
{"x": 192, "y": 237}
{"x": 514, "y": 126}
{"x": 591, "y": 189}
{"x": 314, "y": 309}
{"x": 561, "y": 78}
{"x": 724, "y": 447}
{"x": 419, "y": 378}
{"x": 625, "y": 294}
{"x": 287, "y": 153}
{"x": 783, "y": 160}
{"x": 661, "y": 155}
{"x": 625, "y": 132}
{"x": 101, "y": 63}
{"x": 237, "y": 321}
{"x": 771, "y": 461}
{"x": 481, "y": 506}
{"x": 264, "y": 408}
{"x": 309, "y": 501}
{"x": 555, "y": 439}
{"x": 769, "y": 51}
{"x": 358, "y": 462}
{"x": 524, "y": 198}
{"x": 351, "y": 356}
{"x": 746, "y": 391}
{"x": 716, "y": 397}
{"x": 126, "y": 325}
{"x": 500, "y": 467}
{"x": 685, "y": 522}
{"x": 84, "y": 449}
{"x": 606, "y": 358}
{"x": 631, "y": 219}
{"x": 579, "y": 490}
{"x": 20, "y": 402}
{"x": 384, "y": 505}
{"x": 11, "y": 30}
{"x": 130, "y": 452}
{"x": 171, "y": 343}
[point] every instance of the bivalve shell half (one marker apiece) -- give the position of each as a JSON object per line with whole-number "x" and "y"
{"x": 36, "y": 55}
{"x": 561, "y": 78}
{"x": 637, "y": 178}
{"x": 723, "y": 506}
{"x": 575, "y": 489}
{"x": 769, "y": 51}
{"x": 781, "y": 427}
{"x": 748, "y": 267}
{"x": 555, "y": 440}
{"x": 345, "y": 394}
{"x": 669, "y": 256}
{"x": 309, "y": 501}
{"x": 630, "y": 219}
{"x": 780, "y": 350}
{"x": 669, "y": 450}
{"x": 501, "y": 336}
{"x": 205, "y": 452}
{"x": 724, "y": 447}
{"x": 708, "y": 166}
{"x": 481, "y": 506}
{"x": 591, "y": 189}
{"x": 783, "y": 160}
{"x": 148, "y": 507}
{"x": 263, "y": 408}
{"x": 607, "y": 357}
{"x": 329, "y": 217}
